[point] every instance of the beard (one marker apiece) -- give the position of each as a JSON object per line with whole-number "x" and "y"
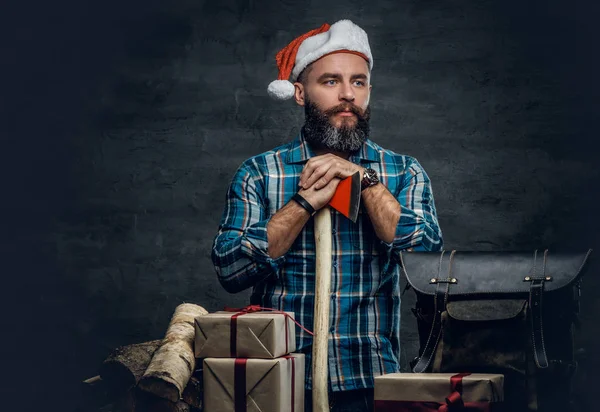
{"x": 320, "y": 132}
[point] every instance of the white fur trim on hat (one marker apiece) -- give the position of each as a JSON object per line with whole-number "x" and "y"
{"x": 343, "y": 35}
{"x": 281, "y": 89}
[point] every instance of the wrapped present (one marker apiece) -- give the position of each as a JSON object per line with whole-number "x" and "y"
{"x": 427, "y": 392}
{"x": 248, "y": 333}
{"x": 246, "y": 385}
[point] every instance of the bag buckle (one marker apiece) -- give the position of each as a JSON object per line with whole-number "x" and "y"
{"x": 539, "y": 278}
{"x": 442, "y": 280}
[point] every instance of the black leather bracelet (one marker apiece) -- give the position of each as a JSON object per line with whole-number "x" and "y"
{"x": 302, "y": 202}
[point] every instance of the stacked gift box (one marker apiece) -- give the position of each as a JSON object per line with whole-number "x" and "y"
{"x": 249, "y": 361}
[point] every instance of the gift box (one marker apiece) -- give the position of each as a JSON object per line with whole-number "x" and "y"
{"x": 260, "y": 334}
{"x": 424, "y": 392}
{"x": 254, "y": 385}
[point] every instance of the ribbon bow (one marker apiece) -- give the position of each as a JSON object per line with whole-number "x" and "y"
{"x": 454, "y": 401}
{"x": 258, "y": 308}
{"x": 247, "y": 309}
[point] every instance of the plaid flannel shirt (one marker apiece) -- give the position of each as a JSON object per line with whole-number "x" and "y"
{"x": 364, "y": 339}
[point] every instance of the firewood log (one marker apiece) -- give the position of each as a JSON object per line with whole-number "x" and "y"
{"x": 192, "y": 394}
{"x": 147, "y": 402}
{"x": 173, "y": 363}
{"x": 125, "y": 365}
{"x": 125, "y": 402}
{"x": 135, "y": 400}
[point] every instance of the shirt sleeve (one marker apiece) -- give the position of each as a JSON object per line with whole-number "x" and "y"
{"x": 240, "y": 249}
{"x": 418, "y": 228}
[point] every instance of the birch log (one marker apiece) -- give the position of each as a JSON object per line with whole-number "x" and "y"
{"x": 320, "y": 362}
{"x": 173, "y": 363}
{"x": 125, "y": 366}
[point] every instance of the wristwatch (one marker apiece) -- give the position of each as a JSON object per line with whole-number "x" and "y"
{"x": 369, "y": 179}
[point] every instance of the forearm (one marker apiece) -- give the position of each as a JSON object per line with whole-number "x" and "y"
{"x": 237, "y": 271}
{"x": 383, "y": 210}
{"x": 284, "y": 226}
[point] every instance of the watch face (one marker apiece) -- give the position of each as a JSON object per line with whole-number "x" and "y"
{"x": 372, "y": 175}
{"x": 370, "y": 178}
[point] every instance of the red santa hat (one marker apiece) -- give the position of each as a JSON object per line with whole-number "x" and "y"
{"x": 343, "y": 36}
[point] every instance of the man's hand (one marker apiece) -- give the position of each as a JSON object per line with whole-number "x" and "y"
{"x": 318, "y": 198}
{"x": 285, "y": 225}
{"x": 319, "y": 171}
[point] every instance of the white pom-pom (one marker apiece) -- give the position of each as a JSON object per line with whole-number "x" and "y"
{"x": 281, "y": 90}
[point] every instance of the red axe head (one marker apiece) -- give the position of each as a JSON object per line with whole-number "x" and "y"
{"x": 346, "y": 198}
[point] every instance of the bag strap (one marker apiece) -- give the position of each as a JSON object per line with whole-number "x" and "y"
{"x": 440, "y": 300}
{"x": 536, "y": 292}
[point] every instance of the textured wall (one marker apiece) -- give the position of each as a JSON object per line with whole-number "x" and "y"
{"x": 126, "y": 122}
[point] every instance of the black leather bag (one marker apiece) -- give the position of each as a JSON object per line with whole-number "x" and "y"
{"x": 500, "y": 312}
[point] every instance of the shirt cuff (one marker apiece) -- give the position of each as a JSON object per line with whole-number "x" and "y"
{"x": 409, "y": 235}
{"x": 255, "y": 245}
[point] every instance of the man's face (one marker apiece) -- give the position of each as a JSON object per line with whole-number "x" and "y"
{"x": 335, "y": 94}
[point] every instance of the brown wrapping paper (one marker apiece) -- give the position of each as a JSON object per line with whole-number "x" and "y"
{"x": 268, "y": 384}
{"x": 435, "y": 387}
{"x": 258, "y": 335}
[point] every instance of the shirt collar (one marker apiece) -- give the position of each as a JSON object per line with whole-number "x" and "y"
{"x": 300, "y": 152}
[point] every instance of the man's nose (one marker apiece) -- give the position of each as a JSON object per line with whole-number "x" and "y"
{"x": 346, "y": 92}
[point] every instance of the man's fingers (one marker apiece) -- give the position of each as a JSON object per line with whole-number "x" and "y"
{"x": 321, "y": 169}
{"x": 330, "y": 187}
{"x": 327, "y": 177}
{"x": 319, "y": 198}
{"x": 334, "y": 183}
{"x": 319, "y": 172}
{"x": 312, "y": 165}
{"x": 306, "y": 172}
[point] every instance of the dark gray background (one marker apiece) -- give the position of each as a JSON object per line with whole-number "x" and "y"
{"x": 123, "y": 123}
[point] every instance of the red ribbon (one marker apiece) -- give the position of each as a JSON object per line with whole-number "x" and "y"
{"x": 293, "y": 379}
{"x": 420, "y": 406}
{"x": 254, "y": 309}
{"x": 239, "y": 383}
{"x": 454, "y": 402}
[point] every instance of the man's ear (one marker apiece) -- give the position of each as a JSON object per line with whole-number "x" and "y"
{"x": 299, "y": 93}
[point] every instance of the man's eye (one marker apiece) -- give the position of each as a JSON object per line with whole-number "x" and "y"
{"x": 331, "y": 82}
{"x": 359, "y": 83}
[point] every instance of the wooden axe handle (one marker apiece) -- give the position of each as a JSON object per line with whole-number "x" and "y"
{"x": 320, "y": 363}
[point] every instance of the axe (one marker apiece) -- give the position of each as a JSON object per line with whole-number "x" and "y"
{"x": 346, "y": 200}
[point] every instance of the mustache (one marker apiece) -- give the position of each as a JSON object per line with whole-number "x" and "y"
{"x": 344, "y": 107}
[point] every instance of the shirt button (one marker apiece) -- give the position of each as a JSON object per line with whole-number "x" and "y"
{"x": 333, "y": 231}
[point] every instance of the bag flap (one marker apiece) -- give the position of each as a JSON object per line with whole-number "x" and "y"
{"x": 490, "y": 272}
{"x": 485, "y": 310}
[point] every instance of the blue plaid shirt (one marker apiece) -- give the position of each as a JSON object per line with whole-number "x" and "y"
{"x": 364, "y": 338}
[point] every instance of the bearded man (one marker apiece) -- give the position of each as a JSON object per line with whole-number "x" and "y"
{"x": 266, "y": 237}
